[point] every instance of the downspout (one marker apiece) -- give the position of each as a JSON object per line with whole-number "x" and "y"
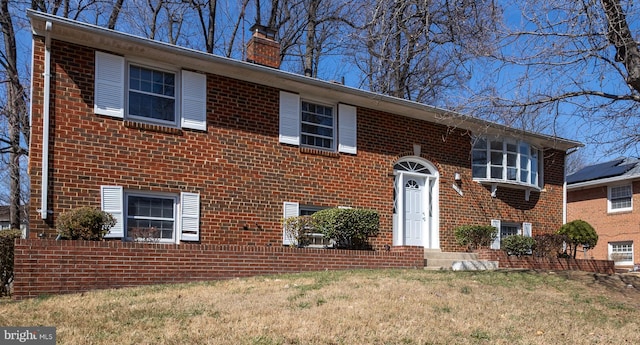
{"x": 564, "y": 187}
{"x": 45, "y": 122}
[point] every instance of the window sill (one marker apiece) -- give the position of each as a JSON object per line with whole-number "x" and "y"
{"x": 152, "y": 127}
{"x": 508, "y": 184}
{"x": 621, "y": 211}
{"x": 528, "y": 188}
{"x": 318, "y": 152}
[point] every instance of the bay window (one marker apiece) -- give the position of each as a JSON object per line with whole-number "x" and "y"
{"x": 505, "y": 161}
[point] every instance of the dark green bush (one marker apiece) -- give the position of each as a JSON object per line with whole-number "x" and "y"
{"x": 518, "y": 245}
{"x": 475, "y": 236}
{"x": 549, "y": 245}
{"x": 84, "y": 223}
{"x": 7, "y": 241}
{"x": 349, "y": 227}
{"x": 299, "y": 228}
{"x": 579, "y": 233}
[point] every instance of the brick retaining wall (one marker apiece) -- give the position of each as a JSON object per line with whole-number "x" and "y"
{"x": 53, "y": 267}
{"x": 555, "y": 264}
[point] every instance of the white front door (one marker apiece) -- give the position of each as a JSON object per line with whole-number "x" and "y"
{"x": 414, "y": 211}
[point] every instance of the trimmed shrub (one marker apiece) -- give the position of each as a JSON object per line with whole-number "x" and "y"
{"x": 549, "y": 245}
{"x": 579, "y": 233}
{"x": 518, "y": 245}
{"x": 475, "y": 236}
{"x": 298, "y": 229}
{"x": 7, "y": 242}
{"x": 84, "y": 223}
{"x": 350, "y": 228}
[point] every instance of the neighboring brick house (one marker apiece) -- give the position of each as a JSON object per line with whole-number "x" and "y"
{"x": 212, "y": 150}
{"x": 5, "y": 219}
{"x": 606, "y": 195}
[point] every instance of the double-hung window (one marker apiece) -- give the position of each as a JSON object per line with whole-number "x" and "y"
{"x": 621, "y": 252}
{"x": 152, "y": 94}
{"x": 505, "y": 161}
{"x": 620, "y": 198}
{"x": 160, "y": 217}
{"x": 318, "y": 125}
{"x": 151, "y": 216}
{"x": 146, "y": 92}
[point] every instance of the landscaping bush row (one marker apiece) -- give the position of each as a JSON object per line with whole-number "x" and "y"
{"x": 563, "y": 243}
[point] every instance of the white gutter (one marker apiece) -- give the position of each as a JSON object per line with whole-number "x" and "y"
{"x": 130, "y": 45}
{"x": 602, "y": 182}
{"x": 45, "y": 123}
{"x": 564, "y": 186}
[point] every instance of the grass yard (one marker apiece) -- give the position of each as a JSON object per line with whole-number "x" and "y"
{"x": 350, "y": 307}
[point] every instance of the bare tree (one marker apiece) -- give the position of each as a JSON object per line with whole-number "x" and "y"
{"x": 417, "y": 49}
{"x": 576, "y": 60}
{"x": 14, "y": 111}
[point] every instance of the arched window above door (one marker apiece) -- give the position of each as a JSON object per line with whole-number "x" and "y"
{"x": 412, "y": 166}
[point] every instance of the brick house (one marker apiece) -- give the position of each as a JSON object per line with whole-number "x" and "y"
{"x": 604, "y": 196}
{"x": 212, "y": 150}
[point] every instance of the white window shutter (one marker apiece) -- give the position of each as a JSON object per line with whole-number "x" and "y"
{"x": 289, "y": 118}
{"x": 526, "y": 229}
{"x": 194, "y": 100}
{"x": 347, "y": 128}
{"x": 290, "y": 209}
{"x": 112, "y": 201}
{"x": 108, "y": 95}
{"x": 496, "y": 243}
{"x": 190, "y": 216}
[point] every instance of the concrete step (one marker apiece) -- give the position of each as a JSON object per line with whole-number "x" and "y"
{"x": 474, "y": 265}
{"x": 435, "y": 259}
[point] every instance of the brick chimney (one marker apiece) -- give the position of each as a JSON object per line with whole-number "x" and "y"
{"x": 262, "y": 48}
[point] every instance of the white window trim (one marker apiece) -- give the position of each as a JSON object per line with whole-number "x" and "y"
{"x": 111, "y": 91}
{"x": 524, "y": 229}
{"x": 293, "y": 209}
{"x": 503, "y": 181}
{"x": 610, "y": 252}
{"x": 334, "y": 127}
{"x": 186, "y": 212}
{"x": 610, "y": 208}
{"x": 345, "y": 125}
{"x": 176, "y": 96}
{"x": 176, "y": 217}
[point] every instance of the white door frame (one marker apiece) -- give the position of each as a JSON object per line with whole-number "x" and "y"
{"x": 431, "y": 233}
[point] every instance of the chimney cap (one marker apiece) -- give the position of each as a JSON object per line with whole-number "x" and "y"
{"x": 263, "y": 31}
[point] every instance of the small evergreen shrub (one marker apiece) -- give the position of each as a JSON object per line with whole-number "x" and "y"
{"x": 84, "y": 223}
{"x": 7, "y": 242}
{"x": 549, "y": 245}
{"x": 579, "y": 233}
{"x": 350, "y": 228}
{"x": 518, "y": 245}
{"x": 299, "y": 228}
{"x": 475, "y": 236}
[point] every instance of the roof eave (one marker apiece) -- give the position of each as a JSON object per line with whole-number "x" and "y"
{"x": 130, "y": 45}
{"x": 601, "y": 182}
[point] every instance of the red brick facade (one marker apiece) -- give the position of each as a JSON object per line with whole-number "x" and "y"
{"x": 241, "y": 171}
{"x": 54, "y": 267}
{"x": 591, "y": 205}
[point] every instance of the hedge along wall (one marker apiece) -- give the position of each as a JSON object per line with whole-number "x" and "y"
{"x": 54, "y": 267}
{"x": 554, "y": 264}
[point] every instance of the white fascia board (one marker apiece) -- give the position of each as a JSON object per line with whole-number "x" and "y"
{"x": 601, "y": 182}
{"x": 126, "y": 44}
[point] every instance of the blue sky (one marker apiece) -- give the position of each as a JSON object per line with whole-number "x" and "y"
{"x": 335, "y": 69}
